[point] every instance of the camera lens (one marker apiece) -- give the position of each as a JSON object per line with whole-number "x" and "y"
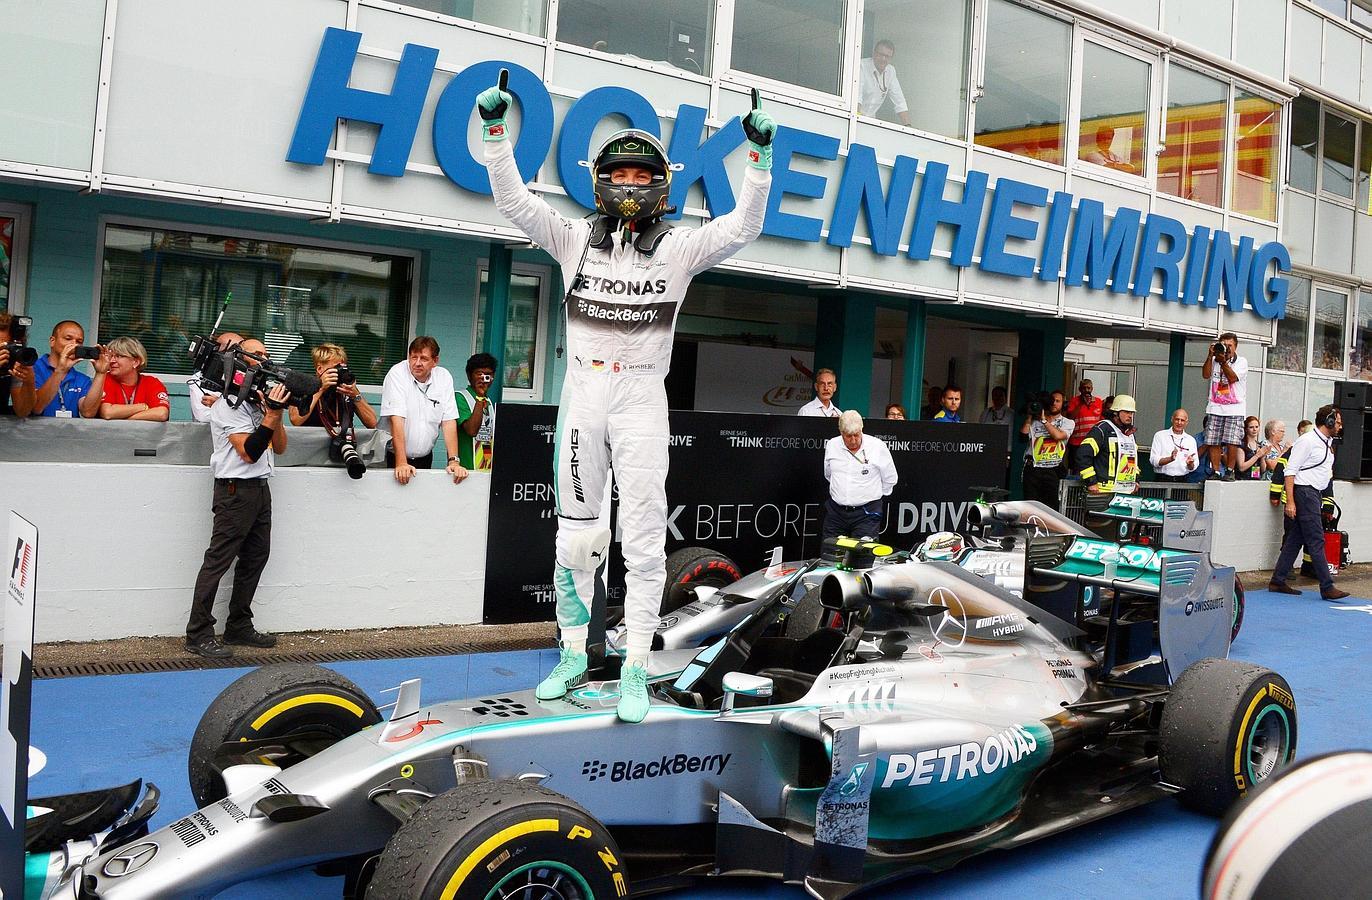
{"x": 357, "y": 467}
{"x": 345, "y": 375}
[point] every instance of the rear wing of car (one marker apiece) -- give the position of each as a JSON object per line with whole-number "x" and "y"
{"x": 1189, "y": 599}
{"x": 1182, "y": 526}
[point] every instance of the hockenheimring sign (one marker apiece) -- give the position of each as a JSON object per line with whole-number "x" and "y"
{"x": 1199, "y": 266}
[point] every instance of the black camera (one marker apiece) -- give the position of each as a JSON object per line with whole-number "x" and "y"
{"x": 1039, "y": 402}
{"x": 87, "y": 352}
{"x": 345, "y": 375}
{"x": 17, "y": 345}
{"x": 237, "y": 374}
{"x": 1219, "y": 350}
{"x": 346, "y": 449}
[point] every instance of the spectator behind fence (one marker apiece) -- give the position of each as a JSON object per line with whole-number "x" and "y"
{"x": 201, "y": 401}
{"x": 17, "y": 392}
{"x": 126, "y": 391}
{"x": 826, "y": 384}
{"x": 933, "y": 402}
{"x": 951, "y": 403}
{"x": 1277, "y": 444}
{"x": 245, "y": 442}
{"x": 1252, "y": 451}
{"x": 999, "y": 413}
{"x": 1085, "y": 410}
{"x": 895, "y": 411}
{"x": 860, "y": 471}
{"x": 418, "y": 398}
{"x": 62, "y": 392}
{"x": 334, "y": 404}
{"x": 1047, "y": 431}
{"x": 476, "y": 415}
{"x": 1303, "y": 426}
{"x": 1174, "y": 454}
{"x": 878, "y": 83}
{"x": 1227, "y": 373}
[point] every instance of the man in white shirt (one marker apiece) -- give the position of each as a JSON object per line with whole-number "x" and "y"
{"x": 878, "y": 83}
{"x": 1174, "y": 455}
{"x": 1225, "y": 407}
{"x": 826, "y": 384}
{"x": 201, "y": 401}
{"x": 244, "y": 444}
{"x": 860, "y": 472}
{"x": 1309, "y": 470}
{"x": 1047, "y": 432}
{"x": 418, "y": 401}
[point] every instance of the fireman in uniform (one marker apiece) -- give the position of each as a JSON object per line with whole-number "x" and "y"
{"x": 1108, "y": 457}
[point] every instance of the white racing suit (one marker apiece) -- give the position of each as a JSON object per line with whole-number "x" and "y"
{"x": 621, "y": 315}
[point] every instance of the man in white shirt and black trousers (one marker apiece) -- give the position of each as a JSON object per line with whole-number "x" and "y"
{"x": 860, "y": 472}
{"x": 245, "y": 442}
{"x": 1308, "y": 472}
{"x": 418, "y": 402}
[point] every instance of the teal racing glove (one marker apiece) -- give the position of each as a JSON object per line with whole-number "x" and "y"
{"x": 493, "y": 103}
{"x": 760, "y": 129}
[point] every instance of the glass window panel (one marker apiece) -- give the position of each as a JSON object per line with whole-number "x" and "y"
{"x": 1260, "y": 36}
{"x": 679, "y": 32}
{"x": 1205, "y": 23}
{"x": 924, "y": 79}
{"x": 1331, "y": 312}
{"x": 1336, "y": 171}
{"x": 1288, "y": 352}
{"x": 1318, "y": 392}
{"x": 1337, "y": 7}
{"x": 524, "y": 16}
{"x": 1360, "y": 365}
{"x": 1305, "y": 143}
{"x": 1362, "y": 13}
{"x": 798, "y": 43}
{"x": 6, "y": 254}
{"x": 1025, "y": 101}
{"x": 1284, "y": 398}
{"x": 1192, "y": 163}
{"x": 521, "y": 330}
{"x": 1256, "y": 135}
{"x": 163, "y": 286}
{"x": 1114, "y": 110}
{"x": 1364, "y": 172}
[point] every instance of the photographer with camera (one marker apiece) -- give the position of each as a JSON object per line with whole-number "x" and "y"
{"x": 1047, "y": 430}
{"x": 476, "y": 415}
{"x": 245, "y": 441}
{"x": 1227, "y": 373}
{"x": 201, "y": 400}
{"x": 17, "y": 392}
{"x": 334, "y": 405}
{"x": 63, "y": 392}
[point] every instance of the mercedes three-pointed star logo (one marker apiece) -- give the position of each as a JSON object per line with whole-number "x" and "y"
{"x": 130, "y": 859}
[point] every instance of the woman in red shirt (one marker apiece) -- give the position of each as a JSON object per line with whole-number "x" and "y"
{"x": 129, "y": 394}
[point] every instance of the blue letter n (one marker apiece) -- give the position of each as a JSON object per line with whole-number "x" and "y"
{"x": 329, "y": 99}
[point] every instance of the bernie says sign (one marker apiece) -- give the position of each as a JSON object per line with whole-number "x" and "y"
{"x": 1121, "y": 257}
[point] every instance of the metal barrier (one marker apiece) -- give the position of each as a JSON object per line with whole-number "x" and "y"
{"x": 1072, "y": 495}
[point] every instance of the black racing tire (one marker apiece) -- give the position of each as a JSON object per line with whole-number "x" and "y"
{"x": 692, "y": 567}
{"x": 1226, "y": 727}
{"x": 274, "y": 701}
{"x": 804, "y": 618}
{"x": 1239, "y": 604}
{"x": 485, "y": 839}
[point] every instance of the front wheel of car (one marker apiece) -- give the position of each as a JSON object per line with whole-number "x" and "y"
{"x": 1226, "y": 727}
{"x": 275, "y": 702}
{"x": 500, "y": 839}
{"x": 693, "y": 567}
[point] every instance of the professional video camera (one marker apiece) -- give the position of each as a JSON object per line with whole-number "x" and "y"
{"x": 1039, "y": 402}
{"x": 238, "y": 375}
{"x": 17, "y": 345}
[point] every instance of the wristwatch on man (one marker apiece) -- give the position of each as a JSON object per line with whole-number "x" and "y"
{"x": 452, "y": 459}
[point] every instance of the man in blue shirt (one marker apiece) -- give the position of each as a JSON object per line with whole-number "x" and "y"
{"x": 63, "y": 392}
{"x": 952, "y": 402}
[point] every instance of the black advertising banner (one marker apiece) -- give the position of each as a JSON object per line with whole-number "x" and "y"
{"x": 738, "y": 484}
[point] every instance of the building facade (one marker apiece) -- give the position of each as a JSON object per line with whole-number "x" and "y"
{"x": 977, "y": 192}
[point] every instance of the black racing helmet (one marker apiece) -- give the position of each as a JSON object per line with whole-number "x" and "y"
{"x": 631, "y": 147}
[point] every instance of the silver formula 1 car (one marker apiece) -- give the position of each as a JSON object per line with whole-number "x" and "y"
{"x": 700, "y": 604}
{"x": 939, "y": 717}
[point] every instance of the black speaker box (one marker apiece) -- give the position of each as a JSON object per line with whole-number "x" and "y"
{"x": 1353, "y": 455}
{"x": 1353, "y": 394}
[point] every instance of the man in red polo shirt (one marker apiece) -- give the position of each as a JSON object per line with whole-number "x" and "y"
{"x": 1085, "y": 412}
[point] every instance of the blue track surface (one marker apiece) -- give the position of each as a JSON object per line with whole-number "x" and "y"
{"x": 102, "y": 731}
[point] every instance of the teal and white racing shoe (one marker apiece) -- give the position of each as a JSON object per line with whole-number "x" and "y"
{"x": 633, "y": 694}
{"x": 569, "y": 670}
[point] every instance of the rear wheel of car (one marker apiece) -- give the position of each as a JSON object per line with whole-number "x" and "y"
{"x": 500, "y": 839}
{"x": 274, "y": 702}
{"x": 1238, "y": 608}
{"x": 1226, "y": 726}
{"x": 692, "y": 567}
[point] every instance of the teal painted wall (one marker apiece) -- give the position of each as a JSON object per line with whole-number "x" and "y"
{"x": 63, "y": 255}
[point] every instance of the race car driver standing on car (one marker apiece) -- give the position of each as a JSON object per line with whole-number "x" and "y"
{"x": 1108, "y": 457}
{"x": 627, "y": 272}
